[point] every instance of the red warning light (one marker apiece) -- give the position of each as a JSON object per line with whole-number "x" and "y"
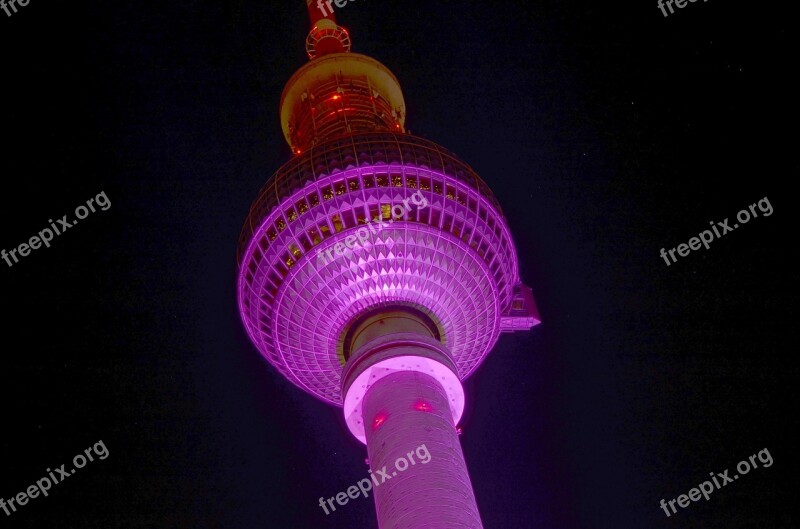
{"x": 422, "y": 405}
{"x": 378, "y": 421}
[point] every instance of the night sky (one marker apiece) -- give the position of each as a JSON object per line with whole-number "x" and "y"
{"x": 607, "y": 132}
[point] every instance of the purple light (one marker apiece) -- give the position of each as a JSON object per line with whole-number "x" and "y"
{"x": 453, "y": 259}
{"x": 403, "y": 306}
{"x": 422, "y": 405}
{"x": 379, "y": 420}
{"x": 354, "y": 398}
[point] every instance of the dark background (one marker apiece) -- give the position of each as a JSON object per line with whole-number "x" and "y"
{"x": 607, "y": 132}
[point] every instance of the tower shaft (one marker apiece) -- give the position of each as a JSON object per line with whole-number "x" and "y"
{"x": 403, "y": 411}
{"x": 403, "y": 395}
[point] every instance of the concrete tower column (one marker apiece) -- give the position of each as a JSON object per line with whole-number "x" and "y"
{"x": 402, "y": 412}
{"x": 403, "y": 399}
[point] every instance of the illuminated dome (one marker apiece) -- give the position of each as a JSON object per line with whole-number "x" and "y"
{"x": 451, "y": 258}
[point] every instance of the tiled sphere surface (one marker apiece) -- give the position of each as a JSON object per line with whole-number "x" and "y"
{"x": 447, "y": 251}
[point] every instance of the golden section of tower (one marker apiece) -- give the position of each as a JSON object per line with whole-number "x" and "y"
{"x": 339, "y": 94}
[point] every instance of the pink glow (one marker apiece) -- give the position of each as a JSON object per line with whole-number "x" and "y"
{"x": 411, "y": 261}
{"x": 449, "y": 269}
{"x": 354, "y": 398}
{"x": 379, "y": 420}
{"x": 422, "y": 405}
{"x": 437, "y": 494}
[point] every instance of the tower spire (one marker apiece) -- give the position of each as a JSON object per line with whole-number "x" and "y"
{"x": 337, "y": 92}
{"x": 325, "y": 35}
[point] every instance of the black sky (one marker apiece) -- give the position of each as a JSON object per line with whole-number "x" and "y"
{"x": 607, "y": 132}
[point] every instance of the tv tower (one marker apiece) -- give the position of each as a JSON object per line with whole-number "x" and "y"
{"x": 376, "y": 272}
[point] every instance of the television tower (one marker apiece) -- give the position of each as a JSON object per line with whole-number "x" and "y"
{"x": 385, "y": 325}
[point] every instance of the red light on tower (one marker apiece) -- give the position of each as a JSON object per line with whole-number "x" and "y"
{"x": 422, "y": 405}
{"x": 379, "y": 420}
